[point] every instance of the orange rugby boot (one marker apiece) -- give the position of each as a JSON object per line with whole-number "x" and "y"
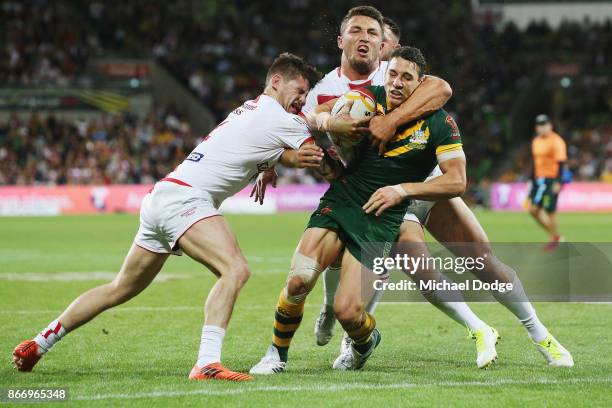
{"x": 215, "y": 371}
{"x": 25, "y": 355}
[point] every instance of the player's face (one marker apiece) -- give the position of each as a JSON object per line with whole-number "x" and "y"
{"x": 292, "y": 94}
{"x": 361, "y": 42}
{"x": 543, "y": 128}
{"x": 390, "y": 43}
{"x": 401, "y": 79}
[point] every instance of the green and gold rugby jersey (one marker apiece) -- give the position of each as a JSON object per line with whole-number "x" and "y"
{"x": 410, "y": 157}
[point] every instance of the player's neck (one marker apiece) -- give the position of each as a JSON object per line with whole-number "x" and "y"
{"x": 349, "y": 72}
{"x": 270, "y": 92}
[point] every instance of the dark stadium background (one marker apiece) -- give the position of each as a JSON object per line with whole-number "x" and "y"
{"x": 117, "y": 92}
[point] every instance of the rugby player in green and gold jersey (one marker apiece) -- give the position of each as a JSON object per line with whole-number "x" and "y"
{"x": 341, "y": 226}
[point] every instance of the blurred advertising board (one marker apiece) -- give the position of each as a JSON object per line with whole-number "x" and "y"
{"x": 59, "y": 200}
{"x": 573, "y": 197}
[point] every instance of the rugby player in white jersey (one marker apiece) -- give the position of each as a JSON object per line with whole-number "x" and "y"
{"x": 449, "y": 221}
{"x": 181, "y": 214}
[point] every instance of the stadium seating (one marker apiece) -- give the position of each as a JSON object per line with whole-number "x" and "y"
{"x": 220, "y": 51}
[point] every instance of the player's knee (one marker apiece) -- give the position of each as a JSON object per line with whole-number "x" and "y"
{"x": 302, "y": 276}
{"x": 347, "y": 310}
{"x": 240, "y": 273}
{"x": 120, "y": 292}
{"x": 296, "y": 286}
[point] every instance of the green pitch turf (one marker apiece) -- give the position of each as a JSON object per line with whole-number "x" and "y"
{"x": 140, "y": 353}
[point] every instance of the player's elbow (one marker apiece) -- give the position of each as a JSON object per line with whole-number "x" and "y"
{"x": 443, "y": 88}
{"x": 458, "y": 184}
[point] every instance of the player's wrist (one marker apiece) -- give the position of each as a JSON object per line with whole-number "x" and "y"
{"x": 322, "y": 121}
{"x": 399, "y": 189}
{"x": 394, "y": 119}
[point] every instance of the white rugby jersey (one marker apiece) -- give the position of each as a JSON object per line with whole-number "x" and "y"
{"x": 250, "y": 140}
{"x": 336, "y": 84}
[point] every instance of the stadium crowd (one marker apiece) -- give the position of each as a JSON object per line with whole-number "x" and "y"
{"x": 220, "y": 51}
{"x": 44, "y": 43}
{"x": 113, "y": 149}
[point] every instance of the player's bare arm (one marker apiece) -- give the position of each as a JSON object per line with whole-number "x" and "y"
{"x": 431, "y": 95}
{"x": 450, "y": 184}
{"x": 309, "y": 155}
{"x": 321, "y": 120}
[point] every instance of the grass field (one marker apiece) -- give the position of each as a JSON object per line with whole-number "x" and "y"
{"x": 140, "y": 353}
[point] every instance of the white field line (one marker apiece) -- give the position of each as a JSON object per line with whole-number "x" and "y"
{"x": 340, "y": 388}
{"x": 78, "y": 276}
{"x": 83, "y": 276}
{"x": 137, "y": 309}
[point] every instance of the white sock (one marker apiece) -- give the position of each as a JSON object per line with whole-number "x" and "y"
{"x": 451, "y": 303}
{"x": 211, "y": 344}
{"x": 516, "y": 301}
{"x": 331, "y": 280}
{"x": 49, "y": 336}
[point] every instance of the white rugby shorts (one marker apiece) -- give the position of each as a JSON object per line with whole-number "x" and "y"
{"x": 418, "y": 210}
{"x": 168, "y": 211}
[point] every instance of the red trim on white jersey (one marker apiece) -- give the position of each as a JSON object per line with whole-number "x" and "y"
{"x": 325, "y": 98}
{"x": 359, "y": 86}
{"x": 310, "y": 139}
{"x": 176, "y": 181}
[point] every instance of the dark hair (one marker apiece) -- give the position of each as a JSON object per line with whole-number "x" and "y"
{"x": 367, "y": 11}
{"x": 393, "y": 26}
{"x": 290, "y": 66}
{"x": 411, "y": 54}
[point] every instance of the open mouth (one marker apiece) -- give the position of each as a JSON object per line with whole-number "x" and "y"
{"x": 395, "y": 94}
{"x": 295, "y": 107}
{"x": 363, "y": 50}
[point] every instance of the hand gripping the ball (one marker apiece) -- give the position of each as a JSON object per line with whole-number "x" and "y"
{"x": 345, "y": 126}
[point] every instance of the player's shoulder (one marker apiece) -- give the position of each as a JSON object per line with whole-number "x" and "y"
{"x": 438, "y": 117}
{"x": 443, "y": 123}
{"x": 441, "y": 116}
{"x": 334, "y": 73}
{"x": 269, "y": 106}
{"x": 270, "y": 115}
{"x": 331, "y": 77}
{"x": 286, "y": 121}
{"x": 296, "y": 120}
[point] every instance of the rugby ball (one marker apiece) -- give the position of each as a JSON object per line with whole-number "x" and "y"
{"x": 363, "y": 107}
